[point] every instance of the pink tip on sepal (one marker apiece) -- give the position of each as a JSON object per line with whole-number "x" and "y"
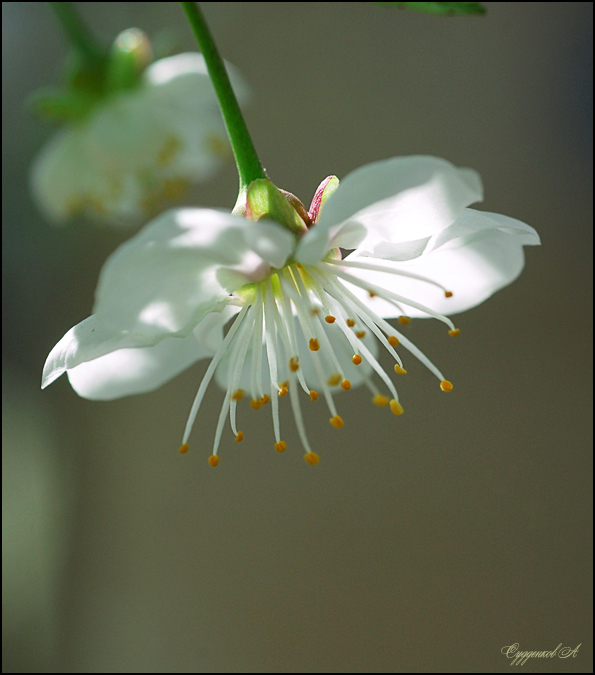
{"x": 323, "y": 192}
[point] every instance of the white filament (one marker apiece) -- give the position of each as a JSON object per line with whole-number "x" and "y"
{"x": 387, "y": 270}
{"x": 391, "y": 297}
{"x": 211, "y": 370}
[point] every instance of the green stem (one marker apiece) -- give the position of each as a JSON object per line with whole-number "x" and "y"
{"x": 79, "y": 34}
{"x": 249, "y": 166}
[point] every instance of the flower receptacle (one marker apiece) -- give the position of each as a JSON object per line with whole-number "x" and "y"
{"x": 263, "y": 199}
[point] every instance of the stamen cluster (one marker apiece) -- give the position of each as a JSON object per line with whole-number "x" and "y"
{"x": 263, "y": 345}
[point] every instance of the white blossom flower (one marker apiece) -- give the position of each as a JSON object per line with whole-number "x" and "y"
{"x": 305, "y": 317}
{"x": 139, "y": 149}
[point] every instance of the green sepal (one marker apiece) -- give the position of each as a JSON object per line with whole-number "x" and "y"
{"x": 85, "y": 75}
{"x": 443, "y": 8}
{"x": 62, "y": 105}
{"x": 329, "y": 190}
{"x": 265, "y": 200}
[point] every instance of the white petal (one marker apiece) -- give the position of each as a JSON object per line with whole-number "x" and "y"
{"x": 88, "y": 340}
{"x": 135, "y": 371}
{"x": 399, "y": 200}
{"x": 110, "y": 166}
{"x": 170, "y": 68}
{"x": 175, "y": 69}
{"x": 405, "y": 250}
{"x": 209, "y": 331}
{"x": 271, "y": 242}
{"x": 317, "y": 241}
{"x": 471, "y": 222}
{"x": 473, "y": 265}
{"x": 183, "y": 93}
{"x": 165, "y": 279}
{"x": 104, "y": 366}
{"x": 59, "y": 175}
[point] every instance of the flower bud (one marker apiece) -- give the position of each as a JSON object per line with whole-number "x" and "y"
{"x": 130, "y": 54}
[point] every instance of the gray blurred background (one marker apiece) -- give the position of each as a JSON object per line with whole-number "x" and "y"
{"x": 424, "y": 543}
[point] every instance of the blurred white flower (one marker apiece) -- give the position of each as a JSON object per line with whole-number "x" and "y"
{"x": 307, "y": 318}
{"x": 139, "y": 149}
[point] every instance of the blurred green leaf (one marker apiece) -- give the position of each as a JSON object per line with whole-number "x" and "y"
{"x": 444, "y": 8}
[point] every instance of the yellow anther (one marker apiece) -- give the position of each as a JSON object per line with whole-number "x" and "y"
{"x": 294, "y": 364}
{"x": 240, "y": 437}
{"x": 396, "y": 407}
{"x": 330, "y": 319}
{"x": 299, "y": 266}
{"x": 360, "y": 334}
{"x": 372, "y": 294}
{"x": 357, "y": 359}
{"x": 213, "y": 460}
{"x": 313, "y": 395}
{"x": 314, "y": 345}
{"x": 455, "y": 332}
{"x": 346, "y": 385}
{"x": 256, "y": 403}
{"x": 334, "y": 379}
{"x": 219, "y": 146}
{"x": 283, "y": 391}
{"x": 265, "y": 399}
{"x": 400, "y": 370}
{"x": 315, "y": 311}
{"x": 393, "y": 341}
{"x": 312, "y": 458}
{"x": 445, "y": 385}
{"x": 168, "y": 151}
{"x": 405, "y": 320}
{"x": 281, "y": 446}
{"x": 350, "y": 323}
{"x": 184, "y": 448}
{"x": 448, "y": 294}
{"x": 380, "y": 400}
{"x": 238, "y": 395}
{"x": 337, "y": 422}
{"x": 174, "y": 188}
